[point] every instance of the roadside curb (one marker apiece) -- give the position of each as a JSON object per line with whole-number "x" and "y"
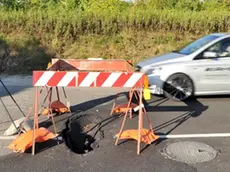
{"x": 17, "y": 80}
{"x": 7, "y": 137}
{"x": 102, "y": 104}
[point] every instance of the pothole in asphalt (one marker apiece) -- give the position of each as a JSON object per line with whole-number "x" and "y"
{"x": 75, "y": 137}
{"x": 190, "y": 152}
{"x": 82, "y": 133}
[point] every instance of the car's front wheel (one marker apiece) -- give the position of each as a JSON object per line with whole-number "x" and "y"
{"x": 178, "y": 87}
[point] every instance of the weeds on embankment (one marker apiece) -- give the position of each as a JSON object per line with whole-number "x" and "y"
{"x": 111, "y": 28}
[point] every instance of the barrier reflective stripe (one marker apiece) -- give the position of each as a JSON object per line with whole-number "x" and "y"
{"x": 88, "y": 79}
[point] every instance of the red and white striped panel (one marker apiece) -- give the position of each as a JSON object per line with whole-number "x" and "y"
{"x": 87, "y": 79}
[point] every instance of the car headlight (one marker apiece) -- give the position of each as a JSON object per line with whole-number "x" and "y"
{"x": 153, "y": 70}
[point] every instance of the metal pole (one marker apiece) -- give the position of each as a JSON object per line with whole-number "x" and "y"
{"x": 140, "y": 122}
{"x": 8, "y": 113}
{"x": 126, "y": 114}
{"x": 58, "y": 97}
{"x": 12, "y": 98}
{"x": 208, "y": 135}
{"x": 50, "y": 112}
{"x": 35, "y": 119}
{"x": 67, "y": 100}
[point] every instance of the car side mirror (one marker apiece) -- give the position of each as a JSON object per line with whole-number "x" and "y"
{"x": 210, "y": 54}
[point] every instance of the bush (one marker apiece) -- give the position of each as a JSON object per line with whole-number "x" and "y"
{"x": 58, "y": 24}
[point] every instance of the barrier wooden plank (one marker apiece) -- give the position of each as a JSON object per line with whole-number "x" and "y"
{"x": 88, "y": 79}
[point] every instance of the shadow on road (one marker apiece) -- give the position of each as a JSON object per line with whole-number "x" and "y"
{"x": 93, "y": 103}
{"x": 12, "y": 89}
{"x": 41, "y": 147}
{"x": 70, "y": 125}
{"x": 81, "y": 108}
{"x": 193, "y": 109}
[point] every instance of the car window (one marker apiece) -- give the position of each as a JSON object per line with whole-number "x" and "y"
{"x": 189, "y": 49}
{"x": 222, "y": 48}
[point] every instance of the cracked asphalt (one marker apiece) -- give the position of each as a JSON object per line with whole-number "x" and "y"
{"x": 198, "y": 116}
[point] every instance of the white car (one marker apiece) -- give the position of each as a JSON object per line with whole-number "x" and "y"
{"x": 200, "y": 68}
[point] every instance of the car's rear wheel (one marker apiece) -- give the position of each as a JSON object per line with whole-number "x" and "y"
{"x": 178, "y": 87}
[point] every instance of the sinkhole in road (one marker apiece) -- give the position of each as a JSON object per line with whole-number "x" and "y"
{"x": 82, "y": 133}
{"x": 75, "y": 137}
{"x": 189, "y": 152}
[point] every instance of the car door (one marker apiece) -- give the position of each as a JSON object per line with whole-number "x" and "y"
{"x": 212, "y": 73}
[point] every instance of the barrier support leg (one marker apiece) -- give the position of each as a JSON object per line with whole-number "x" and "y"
{"x": 67, "y": 100}
{"x": 126, "y": 114}
{"x": 58, "y": 97}
{"x": 140, "y": 122}
{"x": 128, "y": 106}
{"x": 35, "y": 119}
{"x": 137, "y": 94}
{"x": 144, "y": 110}
{"x": 29, "y": 113}
{"x": 131, "y": 93}
{"x": 148, "y": 120}
{"x": 114, "y": 104}
{"x": 50, "y": 112}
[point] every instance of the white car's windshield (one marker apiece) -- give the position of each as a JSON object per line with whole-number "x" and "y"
{"x": 192, "y": 47}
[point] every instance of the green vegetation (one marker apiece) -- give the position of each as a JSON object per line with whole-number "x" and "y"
{"x": 34, "y": 30}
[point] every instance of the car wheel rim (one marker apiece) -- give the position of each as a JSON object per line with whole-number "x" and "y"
{"x": 179, "y": 88}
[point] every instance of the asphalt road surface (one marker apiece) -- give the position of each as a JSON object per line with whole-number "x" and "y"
{"x": 198, "y": 116}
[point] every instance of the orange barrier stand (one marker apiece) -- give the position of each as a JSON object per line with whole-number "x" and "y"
{"x": 117, "y": 65}
{"x": 68, "y": 73}
{"x": 141, "y": 134}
